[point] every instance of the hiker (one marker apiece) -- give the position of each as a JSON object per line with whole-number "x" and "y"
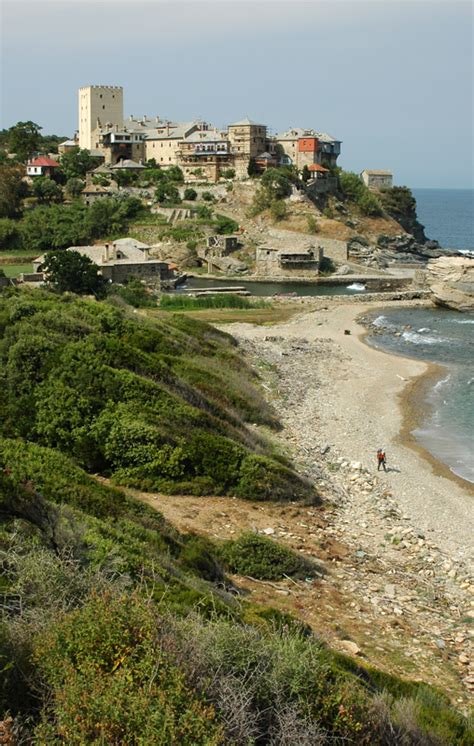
{"x": 381, "y": 460}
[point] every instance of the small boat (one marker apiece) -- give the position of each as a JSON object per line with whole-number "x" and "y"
{"x": 358, "y": 287}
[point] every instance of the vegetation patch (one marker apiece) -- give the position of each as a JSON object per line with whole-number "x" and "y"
{"x": 157, "y": 404}
{"x": 219, "y": 300}
{"x": 263, "y": 558}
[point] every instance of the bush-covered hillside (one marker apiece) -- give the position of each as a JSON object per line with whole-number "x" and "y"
{"x": 161, "y": 405}
{"x": 114, "y": 627}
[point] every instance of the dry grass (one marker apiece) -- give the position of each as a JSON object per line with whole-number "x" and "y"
{"x": 265, "y": 316}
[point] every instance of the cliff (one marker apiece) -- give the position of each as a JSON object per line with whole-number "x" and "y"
{"x": 451, "y": 280}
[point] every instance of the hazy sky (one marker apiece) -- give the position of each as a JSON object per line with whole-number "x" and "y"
{"x": 391, "y": 79}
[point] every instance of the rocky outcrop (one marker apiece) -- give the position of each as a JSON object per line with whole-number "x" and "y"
{"x": 451, "y": 280}
{"x": 402, "y": 249}
{"x": 400, "y": 204}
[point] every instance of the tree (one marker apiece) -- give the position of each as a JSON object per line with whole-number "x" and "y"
{"x": 229, "y": 173}
{"x": 252, "y": 168}
{"x": 24, "y": 139}
{"x": 125, "y": 177}
{"x": 46, "y": 190}
{"x": 12, "y": 190}
{"x": 225, "y": 225}
{"x": 190, "y": 194}
{"x": 75, "y": 163}
{"x": 276, "y": 183}
{"x": 174, "y": 173}
{"x": 74, "y": 186}
{"x": 278, "y": 210}
{"x": 9, "y": 234}
{"x": 208, "y": 197}
{"x": 71, "y": 271}
{"x": 351, "y": 185}
{"x": 55, "y": 227}
{"x": 166, "y": 192}
{"x": 368, "y": 204}
{"x": 305, "y": 175}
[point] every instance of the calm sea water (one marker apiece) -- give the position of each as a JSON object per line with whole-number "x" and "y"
{"x": 272, "y": 288}
{"x": 445, "y": 337}
{"x": 448, "y": 216}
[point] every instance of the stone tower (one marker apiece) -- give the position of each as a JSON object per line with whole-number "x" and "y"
{"x": 98, "y": 105}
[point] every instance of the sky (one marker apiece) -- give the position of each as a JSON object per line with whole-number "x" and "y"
{"x": 392, "y": 79}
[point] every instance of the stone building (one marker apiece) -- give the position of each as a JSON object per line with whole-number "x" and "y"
{"x": 99, "y": 105}
{"x": 204, "y": 155}
{"x": 247, "y": 139}
{"x": 301, "y": 148}
{"x": 93, "y": 192}
{"x": 377, "y": 179}
{"x": 200, "y": 150}
{"x": 122, "y": 259}
{"x": 299, "y": 262}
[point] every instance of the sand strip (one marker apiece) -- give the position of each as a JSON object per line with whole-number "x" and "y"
{"x": 365, "y": 398}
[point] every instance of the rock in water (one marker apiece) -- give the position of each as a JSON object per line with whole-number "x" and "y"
{"x": 451, "y": 280}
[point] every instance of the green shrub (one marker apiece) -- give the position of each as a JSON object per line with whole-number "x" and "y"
{"x": 369, "y": 205}
{"x": 263, "y": 558}
{"x": 208, "y": 197}
{"x": 190, "y": 194}
{"x": 219, "y": 300}
{"x": 262, "y": 478}
{"x": 225, "y": 225}
{"x": 203, "y": 213}
{"x": 312, "y": 224}
{"x": 199, "y": 556}
{"x": 134, "y": 293}
{"x": 9, "y": 234}
{"x": 351, "y": 185}
{"x": 327, "y": 266}
{"x": 107, "y": 681}
{"x": 278, "y": 210}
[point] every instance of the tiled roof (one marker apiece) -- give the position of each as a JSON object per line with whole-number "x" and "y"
{"x": 296, "y": 132}
{"x": 127, "y": 163}
{"x": 96, "y": 189}
{"x": 246, "y": 122}
{"x": 376, "y": 172}
{"x": 43, "y": 160}
{"x": 317, "y": 167}
{"x": 205, "y": 136}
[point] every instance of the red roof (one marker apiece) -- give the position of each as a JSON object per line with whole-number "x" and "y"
{"x": 43, "y": 160}
{"x": 317, "y": 167}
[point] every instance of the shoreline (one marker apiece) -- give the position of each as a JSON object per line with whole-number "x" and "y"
{"x": 356, "y": 398}
{"x": 414, "y": 408}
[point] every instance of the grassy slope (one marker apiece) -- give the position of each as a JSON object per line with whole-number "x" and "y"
{"x": 127, "y": 626}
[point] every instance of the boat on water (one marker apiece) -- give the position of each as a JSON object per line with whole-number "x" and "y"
{"x": 357, "y": 287}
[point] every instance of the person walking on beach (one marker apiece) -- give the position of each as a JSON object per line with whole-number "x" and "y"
{"x": 381, "y": 460}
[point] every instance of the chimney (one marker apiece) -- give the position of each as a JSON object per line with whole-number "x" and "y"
{"x": 146, "y": 254}
{"x": 107, "y": 252}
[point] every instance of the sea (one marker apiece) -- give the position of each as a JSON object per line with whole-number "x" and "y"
{"x": 440, "y": 336}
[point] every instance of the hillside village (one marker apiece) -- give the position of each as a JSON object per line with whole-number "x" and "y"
{"x": 288, "y": 210}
